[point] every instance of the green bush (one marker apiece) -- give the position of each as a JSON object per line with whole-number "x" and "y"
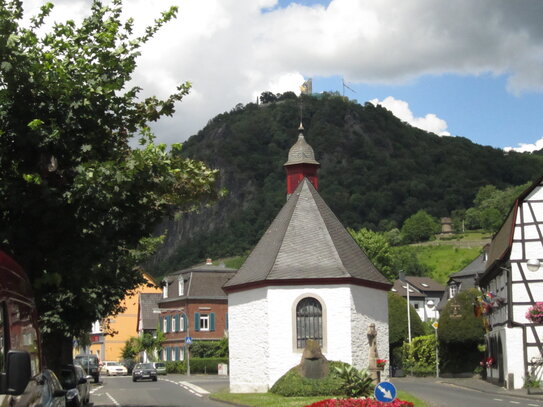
{"x": 419, "y": 356}
{"x": 292, "y": 384}
{"x": 176, "y": 367}
{"x": 210, "y": 349}
{"x": 355, "y": 383}
{"x": 206, "y": 365}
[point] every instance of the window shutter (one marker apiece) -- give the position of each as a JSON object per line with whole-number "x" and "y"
{"x": 211, "y": 321}
{"x": 184, "y": 322}
{"x": 160, "y": 323}
{"x": 177, "y": 323}
{"x": 196, "y": 321}
{"x": 168, "y": 323}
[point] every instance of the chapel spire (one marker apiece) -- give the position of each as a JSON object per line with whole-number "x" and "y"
{"x": 301, "y": 163}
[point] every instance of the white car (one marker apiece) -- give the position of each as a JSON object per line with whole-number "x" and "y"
{"x": 113, "y": 369}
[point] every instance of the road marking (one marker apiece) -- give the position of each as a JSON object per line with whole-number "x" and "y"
{"x": 534, "y": 405}
{"x": 95, "y": 389}
{"x": 194, "y": 387}
{"x": 113, "y": 400}
{"x": 514, "y": 402}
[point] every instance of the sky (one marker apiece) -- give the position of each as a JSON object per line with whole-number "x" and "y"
{"x": 462, "y": 68}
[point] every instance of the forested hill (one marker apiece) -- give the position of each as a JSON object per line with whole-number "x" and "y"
{"x": 375, "y": 172}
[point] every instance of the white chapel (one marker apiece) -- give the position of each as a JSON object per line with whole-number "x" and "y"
{"x": 305, "y": 279}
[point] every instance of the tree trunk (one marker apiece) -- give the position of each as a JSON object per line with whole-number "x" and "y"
{"x": 57, "y": 350}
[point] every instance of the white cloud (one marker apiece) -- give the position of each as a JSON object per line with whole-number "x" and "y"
{"x": 526, "y": 148}
{"x": 233, "y": 49}
{"x": 401, "y": 110}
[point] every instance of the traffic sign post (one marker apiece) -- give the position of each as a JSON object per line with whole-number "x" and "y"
{"x": 385, "y": 392}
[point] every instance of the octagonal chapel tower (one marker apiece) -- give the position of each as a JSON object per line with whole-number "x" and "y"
{"x": 305, "y": 279}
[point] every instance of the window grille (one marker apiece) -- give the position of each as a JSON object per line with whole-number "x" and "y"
{"x": 308, "y": 321}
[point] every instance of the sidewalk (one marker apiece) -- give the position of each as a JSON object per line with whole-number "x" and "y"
{"x": 476, "y": 384}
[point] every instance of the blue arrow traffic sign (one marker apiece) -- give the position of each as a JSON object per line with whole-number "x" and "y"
{"x": 385, "y": 392}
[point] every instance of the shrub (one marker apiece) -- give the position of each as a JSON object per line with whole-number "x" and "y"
{"x": 206, "y": 365}
{"x": 292, "y": 384}
{"x": 419, "y": 356}
{"x": 176, "y": 367}
{"x": 360, "y": 403}
{"x": 210, "y": 349}
{"x": 355, "y": 383}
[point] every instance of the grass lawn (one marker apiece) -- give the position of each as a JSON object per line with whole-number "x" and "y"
{"x": 445, "y": 259}
{"x": 274, "y": 400}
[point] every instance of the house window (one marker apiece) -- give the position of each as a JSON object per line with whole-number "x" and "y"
{"x": 204, "y": 322}
{"x": 308, "y": 321}
{"x": 165, "y": 289}
{"x": 181, "y": 286}
{"x": 416, "y": 305}
{"x": 165, "y": 324}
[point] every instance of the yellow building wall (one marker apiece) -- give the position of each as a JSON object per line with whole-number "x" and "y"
{"x": 124, "y": 324}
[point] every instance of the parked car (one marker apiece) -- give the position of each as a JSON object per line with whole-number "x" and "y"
{"x": 160, "y": 368}
{"x": 91, "y": 364}
{"x": 75, "y": 380}
{"x": 110, "y": 368}
{"x": 144, "y": 371}
{"x": 129, "y": 364}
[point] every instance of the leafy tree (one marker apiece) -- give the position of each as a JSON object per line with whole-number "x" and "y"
{"x": 419, "y": 227}
{"x": 78, "y": 202}
{"x": 397, "y": 320}
{"x": 376, "y": 248}
{"x": 420, "y": 355}
{"x": 460, "y": 332}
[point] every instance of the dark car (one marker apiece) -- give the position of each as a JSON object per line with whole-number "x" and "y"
{"x": 76, "y": 381}
{"x": 144, "y": 371}
{"x": 91, "y": 364}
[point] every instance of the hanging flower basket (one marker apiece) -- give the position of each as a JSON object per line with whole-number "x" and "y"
{"x": 535, "y": 313}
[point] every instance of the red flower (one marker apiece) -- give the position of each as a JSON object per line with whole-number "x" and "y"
{"x": 360, "y": 403}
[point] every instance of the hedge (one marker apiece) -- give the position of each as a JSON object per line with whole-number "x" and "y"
{"x": 197, "y": 365}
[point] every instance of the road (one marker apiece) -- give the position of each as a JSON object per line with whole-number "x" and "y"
{"x": 442, "y": 394}
{"x": 167, "y": 391}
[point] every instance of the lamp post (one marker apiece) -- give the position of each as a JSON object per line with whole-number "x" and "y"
{"x": 431, "y": 304}
{"x": 404, "y": 279}
{"x": 187, "y": 345}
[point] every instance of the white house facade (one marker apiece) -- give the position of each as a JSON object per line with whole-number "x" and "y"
{"x": 511, "y": 284}
{"x": 305, "y": 279}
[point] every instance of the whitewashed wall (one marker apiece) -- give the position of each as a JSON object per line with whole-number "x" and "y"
{"x": 262, "y": 330}
{"x": 369, "y": 306}
{"x": 248, "y": 341}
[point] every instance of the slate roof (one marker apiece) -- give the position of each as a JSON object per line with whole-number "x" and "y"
{"x": 425, "y": 284}
{"x": 148, "y": 301}
{"x": 306, "y": 241}
{"x": 400, "y": 289}
{"x": 201, "y": 282}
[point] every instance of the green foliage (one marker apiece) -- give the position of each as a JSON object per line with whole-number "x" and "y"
{"x": 206, "y": 365}
{"x": 440, "y": 261}
{"x": 374, "y": 171}
{"x": 460, "y": 337}
{"x": 292, "y": 384}
{"x": 356, "y": 383}
{"x": 376, "y": 248}
{"x": 132, "y": 347}
{"x": 177, "y": 366}
{"x": 491, "y": 206}
{"x": 419, "y": 227}
{"x": 464, "y": 329}
{"x": 397, "y": 321}
{"x": 210, "y": 349}
{"x": 419, "y": 356}
{"x": 78, "y": 199}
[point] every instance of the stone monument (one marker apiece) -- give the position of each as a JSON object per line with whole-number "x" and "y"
{"x": 313, "y": 364}
{"x": 373, "y": 368}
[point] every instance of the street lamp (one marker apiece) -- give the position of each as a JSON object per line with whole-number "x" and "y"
{"x": 182, "y": 310}
{"x": 533, "y": 264}
{"x": 431, "y": 304}
{"x": 404, "y": 279}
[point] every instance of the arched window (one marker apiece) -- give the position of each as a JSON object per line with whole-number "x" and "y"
{"x": 308, "y": 321}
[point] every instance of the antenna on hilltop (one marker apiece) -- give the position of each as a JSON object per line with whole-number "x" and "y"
{"x": 345, "y": 86}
